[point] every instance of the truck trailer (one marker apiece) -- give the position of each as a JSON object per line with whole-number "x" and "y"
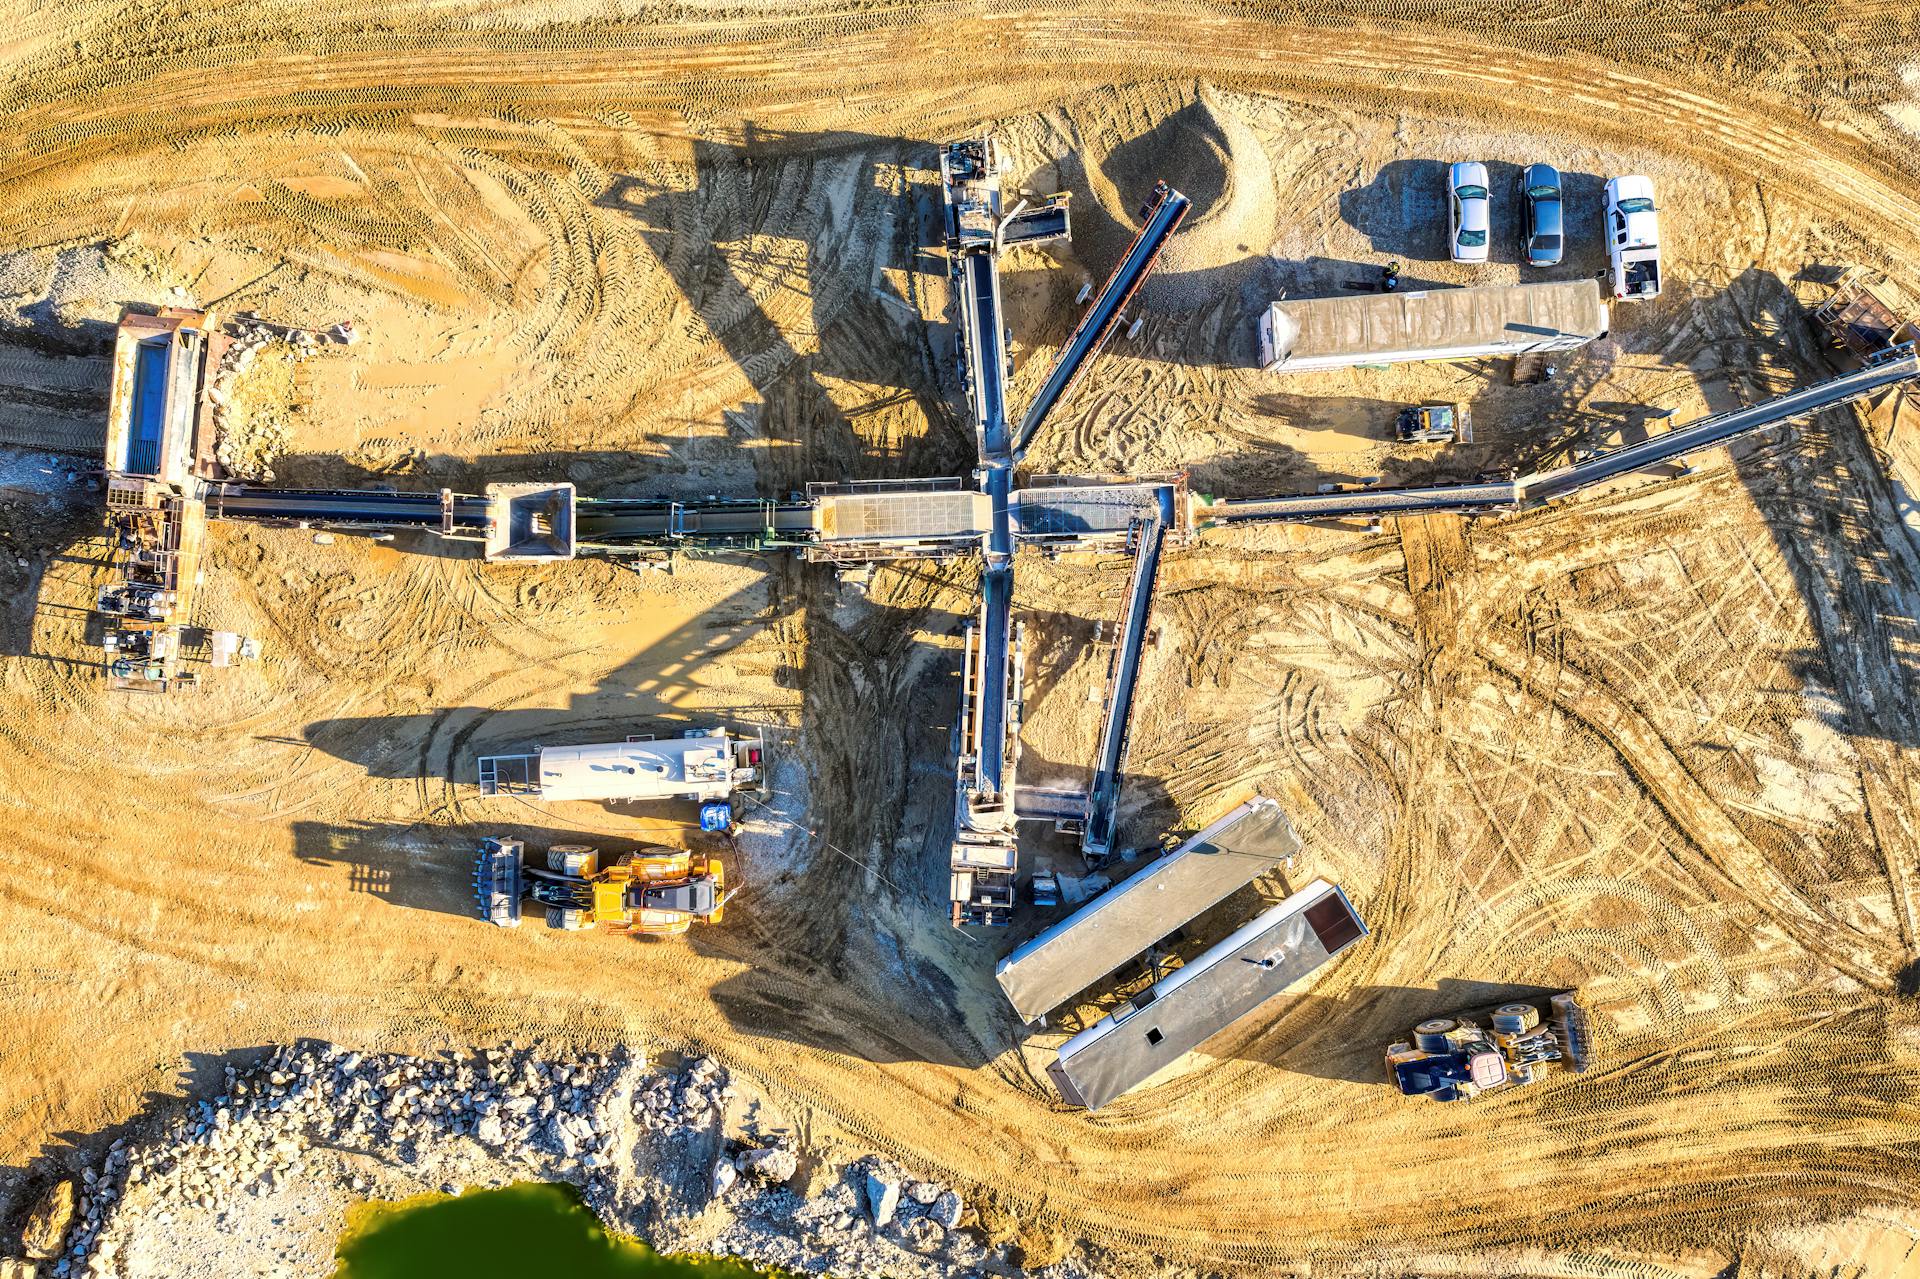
{"x": 1366, "y": 329}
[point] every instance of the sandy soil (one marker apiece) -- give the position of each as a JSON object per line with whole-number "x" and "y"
{"x": 1659, "y": 743}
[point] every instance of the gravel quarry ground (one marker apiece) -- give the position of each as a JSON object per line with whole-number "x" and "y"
{"x": 1659, "y": 742}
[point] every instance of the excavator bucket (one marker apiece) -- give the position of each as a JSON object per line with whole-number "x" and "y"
{"x": 498, "y": 882}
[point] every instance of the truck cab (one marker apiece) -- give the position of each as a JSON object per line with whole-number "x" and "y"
{"x": 1633, "y": 239}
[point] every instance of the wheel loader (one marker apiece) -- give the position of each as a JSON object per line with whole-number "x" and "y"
{"x": 1434, "y": 422}
{"x": 1470, "y": 1054}
{"x": 656, "y": 892}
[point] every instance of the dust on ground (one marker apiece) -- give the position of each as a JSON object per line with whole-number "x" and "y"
{"x": 1658, "y": 743}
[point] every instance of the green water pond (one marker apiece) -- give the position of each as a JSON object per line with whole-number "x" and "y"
{"x": 522, "y": 1231}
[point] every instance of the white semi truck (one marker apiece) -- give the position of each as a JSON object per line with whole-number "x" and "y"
{"x": 1633, "y": 239}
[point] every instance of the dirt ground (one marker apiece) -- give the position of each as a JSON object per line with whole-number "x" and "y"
{"x": 1660, "y": 743}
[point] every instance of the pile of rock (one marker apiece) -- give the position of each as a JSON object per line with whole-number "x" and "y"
{"x": 556, "y": 1117}
{"x": 693, "y": 1101}
{"x": 637, "y": 1142}
{"x": 251, "y": 391}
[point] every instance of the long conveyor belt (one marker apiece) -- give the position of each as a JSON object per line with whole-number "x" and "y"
{"x": 1103, "y": 796}
{"x": 1096, "y": 326}
{"x": 1900, "y": 364}
{"x": 623, "y": 523}
{"x": 441, "y": 511}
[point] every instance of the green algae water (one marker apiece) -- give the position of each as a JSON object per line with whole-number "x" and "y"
{"x": 521, "y": 1232}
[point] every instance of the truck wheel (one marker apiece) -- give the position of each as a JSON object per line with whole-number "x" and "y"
{"x": 1431, "y": 1034}
{"x": 566, "y": 918}
{"x": 577, "y": 860}
{"x": 1515, "y": 1019}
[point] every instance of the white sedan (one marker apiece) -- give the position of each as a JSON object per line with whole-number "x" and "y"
{"x": 1469, "y": 211}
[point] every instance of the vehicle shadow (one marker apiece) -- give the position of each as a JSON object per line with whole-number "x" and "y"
{"x": 1403, "y": 213}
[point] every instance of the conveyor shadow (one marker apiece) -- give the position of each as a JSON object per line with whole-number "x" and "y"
{"x": 838, "y": 218}
{"x": 1832, "y": 509}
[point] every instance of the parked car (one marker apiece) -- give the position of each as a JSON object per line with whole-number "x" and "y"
{"x": 1633, "y": 239}
{"x": 1469, "y": 211}
{"x": 1541, "y": 233}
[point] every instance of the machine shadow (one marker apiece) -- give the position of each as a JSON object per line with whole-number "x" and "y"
{"x": 867, "y": 260}
{"x": 859, "y": 876}
{"x": 1345, "y": 1037}
{"x": 1831, "y": 508}
{"x": 54, "y": 378}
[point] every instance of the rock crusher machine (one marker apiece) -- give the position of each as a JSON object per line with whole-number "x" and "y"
{"x": 658, "y": 892}
{"x": 1459, "y": 1058}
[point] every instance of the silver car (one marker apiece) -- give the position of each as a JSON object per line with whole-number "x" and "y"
{"x": 1541, "y": 232}
{"x": 1469, "y": 211}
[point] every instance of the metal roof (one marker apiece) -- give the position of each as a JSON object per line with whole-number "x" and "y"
{"x": 1231, "y": 980}
{"x": 1431, "y": 324}
{"x": 1124, "y": 921}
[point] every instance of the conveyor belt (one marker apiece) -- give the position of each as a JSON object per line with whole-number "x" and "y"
{"x": 994, "y": 683}
{"x": 1097, "y": 325}
{"x": 1103, "y": 796}
{"x": 720, "y": 523}
{"x": 449, "y": 512}
{"x": 1894, "y": 366}
{"x": 983, "y": 349}
{"x": 1359, "y": 503}
{"x": 1898, "y": 364}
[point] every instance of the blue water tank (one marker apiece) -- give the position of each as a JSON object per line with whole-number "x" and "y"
{"x": 716, "y": 815}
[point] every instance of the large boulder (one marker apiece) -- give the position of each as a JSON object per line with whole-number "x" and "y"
{"x": 490, "y": 1131}
{"x": 724, "y": 1175}
{"x": 770, "y": 1164}
{"x": 883, "y": 1196}
{"x": 47, "y": 1225}
{"x": 946, "y": 1209}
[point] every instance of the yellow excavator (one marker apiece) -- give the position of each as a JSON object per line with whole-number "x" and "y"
{"x": 657, "y": 892}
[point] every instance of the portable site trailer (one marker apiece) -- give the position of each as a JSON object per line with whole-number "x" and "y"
{"x": 704, "y": 764}
{"x": 1229, "y": 982}
{"x": 1430, "y": 324}
{"x": 1120, "y": 923}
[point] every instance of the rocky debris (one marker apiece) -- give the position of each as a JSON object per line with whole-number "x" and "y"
{"x": 883, "y": 1195}
{"x": 51, "y": 1218}
{"x": 15, "y": 1268}
{"x": 306, "y": 1130}
{"x": 724, "y": 1175}
{"x": 693, "y": 1101}
{"x": 251, "y": 392}
{"x": 947, "y": 1208}
{"x": 771, "y": 1164}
